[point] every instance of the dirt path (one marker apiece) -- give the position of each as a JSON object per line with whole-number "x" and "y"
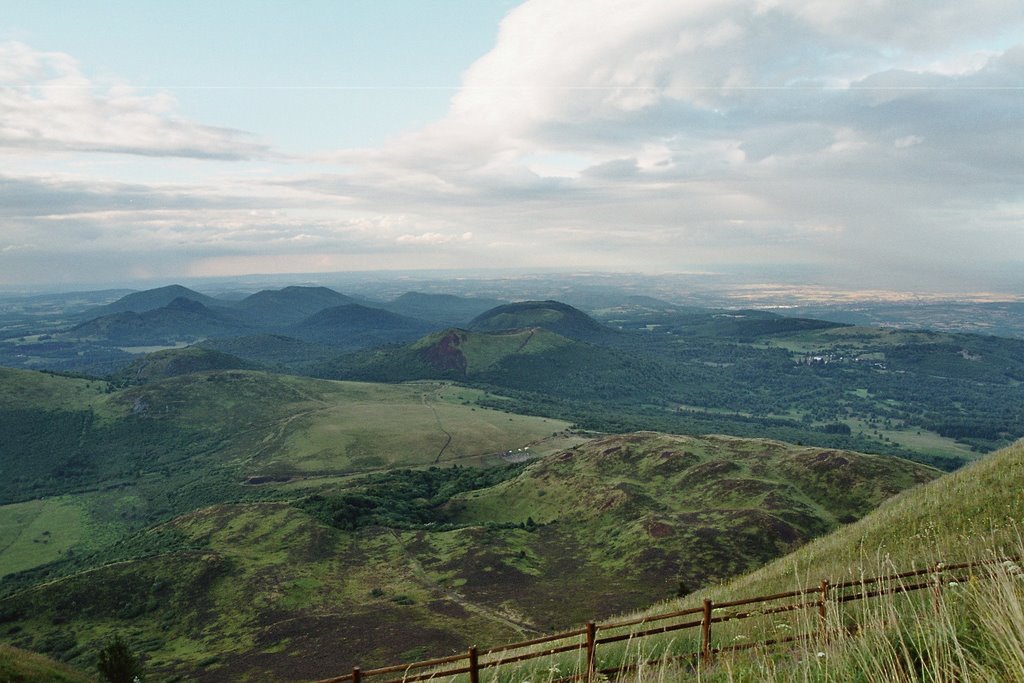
{"x": 526, "y": 341}
{"x": 416, "y": 573}
{"x": 437, "y": 418}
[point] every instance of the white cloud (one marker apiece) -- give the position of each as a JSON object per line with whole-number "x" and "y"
{"x": 48, "y": 104}
{"x": 614, "y": 116}
{"x": 908, "y": 141}
{"x": 431, "y": 238}
{"x": 599, "y": 133}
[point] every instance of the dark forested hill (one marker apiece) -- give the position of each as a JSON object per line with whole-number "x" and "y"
{"x": 150, "y": 299}
{"x": 180, "y": 320}
{"x": 279, "y": 308}
{"x": 553, "y": 316}
{"x": 354, "y": 326}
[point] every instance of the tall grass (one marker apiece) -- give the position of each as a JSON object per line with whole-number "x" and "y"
{"x": 973, "y": 633}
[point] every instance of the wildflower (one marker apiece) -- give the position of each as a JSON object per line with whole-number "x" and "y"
{"x": 783, "y": 627}
{"x": 739, "y": 637}
{"x": 953, "y": 584}
{"x": 820, "y": 655}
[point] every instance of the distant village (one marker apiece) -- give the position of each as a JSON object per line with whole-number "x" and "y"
{"x": 831, "y": 358}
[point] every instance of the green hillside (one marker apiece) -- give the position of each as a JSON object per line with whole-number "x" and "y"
{"x": 975, "y": 511}
{"x": 180, "y": 320}
{"x": 936, "y": 398}
{"x": 651, "y": 513}
{"x": 19, "y": 666}
{"x": 411, "y": 563}
{"x": 109, "y": 461}
{"x": 473, "y": 353}
{"x": 973, "y": 634}
{"x": 554, "y": 316}
{"x": 356, "y": 326}
{"x": 150, "y": 299}
{"x": 281, "y": 307}
{"x": 174, "y": 362}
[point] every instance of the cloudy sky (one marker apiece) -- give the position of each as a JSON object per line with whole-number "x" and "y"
{"x": 164, "y": 140}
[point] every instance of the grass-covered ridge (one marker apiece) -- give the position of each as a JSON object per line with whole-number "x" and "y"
{"x": 19, "y": 666}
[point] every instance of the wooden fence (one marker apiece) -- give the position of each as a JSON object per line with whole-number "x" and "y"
{"x": 585, "y": 641}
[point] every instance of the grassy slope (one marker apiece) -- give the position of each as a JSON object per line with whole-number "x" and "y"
{"x": 24, "y": 389}
{"x": 140, "y": 454}
{"x": 623, "y": 520}
{"x": 18, "y": 666}
{"x": 972, "y": 512}
{"x": 172, "y": 362}
{"x": 481, "y": 351}
{"x": 485, "y": 350}
{"x": 253, "y": 589}
{"x": 975, "y": 513}
{"x": 38, "y": 531}
{"x": 628, "y": 517}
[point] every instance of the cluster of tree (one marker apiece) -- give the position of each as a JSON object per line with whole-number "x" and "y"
{"x": 403, "y": 498}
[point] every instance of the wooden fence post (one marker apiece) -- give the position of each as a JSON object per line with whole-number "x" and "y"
{"x": 823, "y": 610}
{"x": 357, "y": 675}
{"x": 474, "y": 666}
{"x": 591, "y": 650}
{"x": 937, "y": 588}
{"x": 705, "y": 633}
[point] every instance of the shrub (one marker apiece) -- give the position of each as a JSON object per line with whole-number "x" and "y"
{"x": 117, "y": 664}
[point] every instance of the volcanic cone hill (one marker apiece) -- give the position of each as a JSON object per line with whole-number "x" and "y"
{"x": 553, "y": 316}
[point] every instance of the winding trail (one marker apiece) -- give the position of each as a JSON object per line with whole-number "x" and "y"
{"x": 526, "y": 341}
{"x": 437, "y": 418}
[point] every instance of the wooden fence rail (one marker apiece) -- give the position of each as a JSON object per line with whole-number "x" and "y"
{"x": 586, "y": 640}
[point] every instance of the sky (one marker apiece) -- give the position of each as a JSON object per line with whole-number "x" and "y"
{"x": 146, "y": 141}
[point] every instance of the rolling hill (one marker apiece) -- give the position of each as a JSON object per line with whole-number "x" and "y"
{"x": 553, "y": 316}
{"x": 356, "y": 326}
{"x": 174, "y": 362}
{"x": 180, "y": 320}
{"x": 971, "y": 634}
{"x": 273, "y": 351}
{"x": 532, "y": 359}
{"x": 409, "y": 563}
{"x": 107, "y": 461}
{"x": 150, "y": 299}
{"x": 279, "y": 308}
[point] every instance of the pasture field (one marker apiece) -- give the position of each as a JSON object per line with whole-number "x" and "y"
{"x": 38, "y": 531}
